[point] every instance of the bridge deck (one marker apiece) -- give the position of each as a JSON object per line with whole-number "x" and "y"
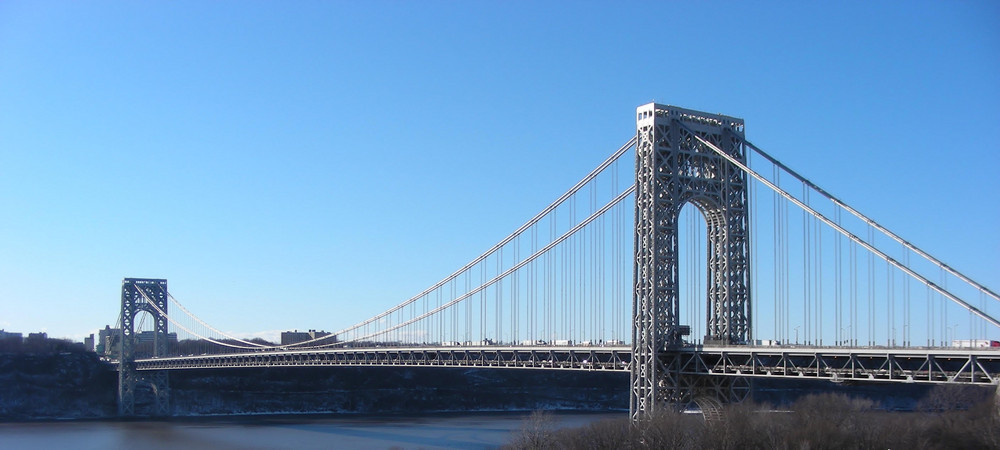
{"x": 913, "y": 365}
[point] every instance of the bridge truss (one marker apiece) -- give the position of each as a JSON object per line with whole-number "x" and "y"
{"x": 838, "y": 364}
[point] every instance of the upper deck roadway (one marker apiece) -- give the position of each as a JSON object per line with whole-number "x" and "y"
{"x": 889, "y": 364}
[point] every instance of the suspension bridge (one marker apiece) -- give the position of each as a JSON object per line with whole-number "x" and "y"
{"x": 690, "y": 258}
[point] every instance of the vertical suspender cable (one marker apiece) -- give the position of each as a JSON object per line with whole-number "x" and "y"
{"x": 590, "y": 275}
{"x": 532, "y": 331}
{"x": 931, "y": 333}
{"x": 818, "y": 239}
{"x": 806, "y": 301}
{"x": 786, "y": 278}
{"x": 871, "y": 290}
{"x": 776, "y": 243}
{"x": 982, "y": 323}
{"x": 614, "y": 239}
{"x": 482, "y": 299}
{"x": 754, "y": 264}
{"x": 852, "y": 259}
{"x": 838, "y": 280}
{"x": 600, "y": 280}
{"x": 892, "y": 302}
{"x": 890, "y": 294}
{"x": 944, "y": 313}
{"x": 513, "y": 296}
{"x": 566, "y": 310}
{"x": 906, "y": 302}
{"x": 498, "y": 294}
{"x": 467, "y": 332}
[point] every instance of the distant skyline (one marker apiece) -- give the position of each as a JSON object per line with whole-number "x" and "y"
{"x": 307, "y": 165}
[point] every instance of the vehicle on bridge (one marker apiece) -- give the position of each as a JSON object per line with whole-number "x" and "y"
{"x": 974, "y": 343}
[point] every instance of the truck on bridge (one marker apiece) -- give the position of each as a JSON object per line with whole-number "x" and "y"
{"x": 974, "y": 343}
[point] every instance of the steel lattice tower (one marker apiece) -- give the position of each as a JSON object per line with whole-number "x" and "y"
{"x": 673, "y": 169}
{"x": 138, "y": 295}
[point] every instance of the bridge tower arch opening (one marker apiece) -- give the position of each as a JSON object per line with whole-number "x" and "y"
{"x": 694, "y": 274}
{"x": 149, "y": 296}
{"x": 673, "y": 169}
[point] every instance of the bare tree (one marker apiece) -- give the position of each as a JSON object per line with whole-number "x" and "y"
{"x": 536, "y": 432}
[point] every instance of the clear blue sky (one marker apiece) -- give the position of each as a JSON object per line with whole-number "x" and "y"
{"x": 308, "y": 164}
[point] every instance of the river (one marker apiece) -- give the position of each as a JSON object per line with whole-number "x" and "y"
{"x": 436, "y": 431}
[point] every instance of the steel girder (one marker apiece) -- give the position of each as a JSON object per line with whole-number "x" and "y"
{"x": 140, "y": 295}
{"x": 851, "y": 364}
{"x": 672, "y": 170}
{"x": 719, "y": 372}
{"x": 576, "y": 358}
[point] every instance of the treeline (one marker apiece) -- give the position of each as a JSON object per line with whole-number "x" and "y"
{"x": 950, "y": 417}
{"x": 39, "y": 345}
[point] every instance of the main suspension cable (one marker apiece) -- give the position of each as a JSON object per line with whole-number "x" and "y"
{"x": 202, "y": 322}
{"x": 163, "y": 313}
{"x": 850, "y": 235}
{"x": 871, "y": 222}
{"x": 487, "y": 283}
{"x": 579, "y": 185}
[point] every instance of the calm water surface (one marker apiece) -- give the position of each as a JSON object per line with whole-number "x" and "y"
{"x": 451, "y": 431}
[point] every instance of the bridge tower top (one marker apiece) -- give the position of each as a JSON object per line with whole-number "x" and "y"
{"x": 649, "y": 112}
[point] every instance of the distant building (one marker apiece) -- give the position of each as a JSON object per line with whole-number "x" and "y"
{"x": 107, "y": 341}
{"x": 10, "y": 342}
{"x": 294, "y": 337}
{"x": 150, "y": 336}
{"x": 8, "y": 335}
{"x": 40, "y": 336}
{"x": 88, "y": 343}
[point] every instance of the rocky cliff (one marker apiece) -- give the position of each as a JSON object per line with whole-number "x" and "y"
{"x": 392, "y": 390}
{"x": 56, "y": 385}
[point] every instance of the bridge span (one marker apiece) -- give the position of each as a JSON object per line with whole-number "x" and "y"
{"x": 838, "y": 364}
